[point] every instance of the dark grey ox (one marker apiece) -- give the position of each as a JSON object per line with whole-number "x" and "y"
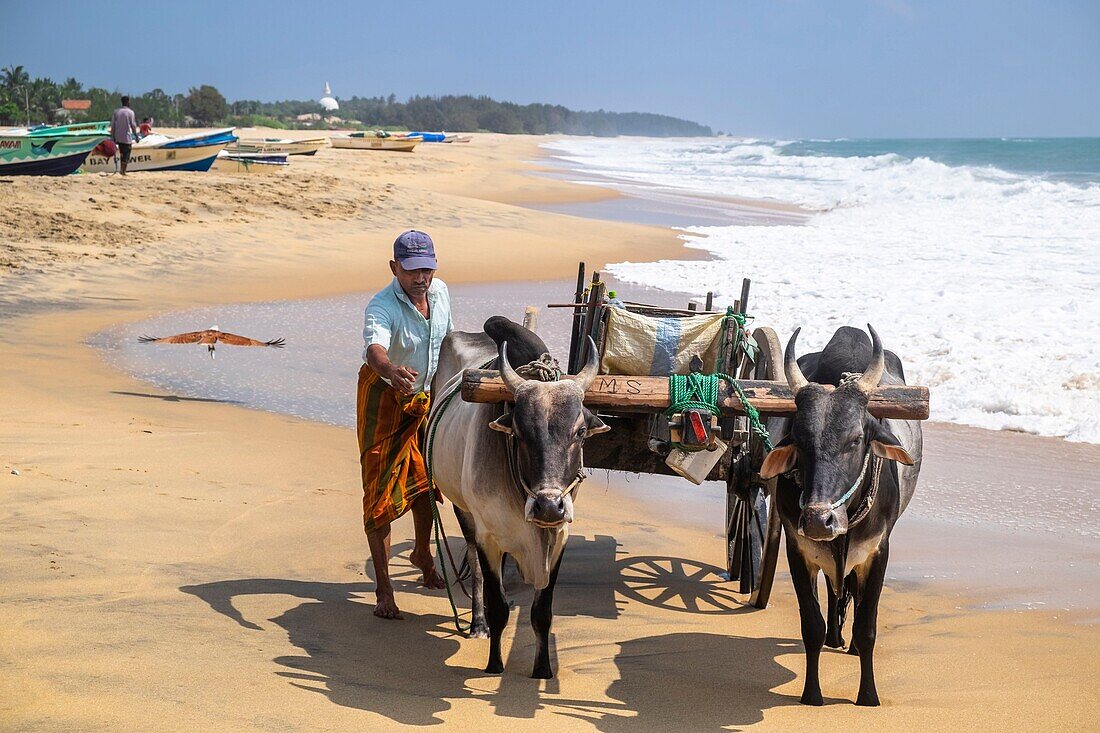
{"x": 525, "y": 514}
{"x": 844, "y": 479}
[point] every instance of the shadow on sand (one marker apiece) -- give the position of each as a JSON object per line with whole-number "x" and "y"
{"x": 176, "y": 398}
{"x": 692, "y": 681}
{"x": 347, "y": 654}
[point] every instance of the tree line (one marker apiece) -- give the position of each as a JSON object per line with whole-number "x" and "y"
{"x": 24, "y": 100}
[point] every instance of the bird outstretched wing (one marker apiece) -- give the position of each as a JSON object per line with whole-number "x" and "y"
{"x": 181, "y": 338}
{"x": 234, "y": 340}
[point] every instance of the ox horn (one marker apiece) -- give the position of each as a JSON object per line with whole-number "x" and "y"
{"x": 591, "y": 368}
{"x": 512, "y": 380}
{"x": 795, "y": 378}
{"x": 872, "y": 375}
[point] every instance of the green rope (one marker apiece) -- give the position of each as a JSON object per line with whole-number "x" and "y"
{"x": 756, "y": 424}
{"x": 700, "y": 391}
{"x": 437, "y": 520}
{"x": 738, "y": 333}
{"x": 692, "y": 392}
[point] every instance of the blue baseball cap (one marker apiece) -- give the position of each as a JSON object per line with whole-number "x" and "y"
{"x": 415, "y": 251}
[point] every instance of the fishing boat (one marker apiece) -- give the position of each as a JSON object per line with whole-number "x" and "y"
{"x": 102, "y": 128}
{"x": 440, "y": 137}
{"x": 195, "y": 152}
{"x": 276, "y": 145}
{"x": 229, "y": 162}
{"x": 378, "y": 140}
{"x": 48, "y": 151}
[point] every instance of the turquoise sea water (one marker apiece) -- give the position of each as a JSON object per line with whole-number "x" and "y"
{"x": 1069, "y": 159}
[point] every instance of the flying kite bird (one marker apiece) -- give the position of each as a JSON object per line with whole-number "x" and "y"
{"x": 210, "y": 337}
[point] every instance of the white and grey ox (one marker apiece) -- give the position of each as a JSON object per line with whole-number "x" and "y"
{"x": 845, "y": 478}
{"x": 520, "y": 504}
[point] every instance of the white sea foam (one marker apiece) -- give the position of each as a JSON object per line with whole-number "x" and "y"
{"x": 983, "y": 281}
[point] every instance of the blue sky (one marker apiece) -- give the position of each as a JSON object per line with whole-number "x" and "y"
{"x": 785, "y": 68}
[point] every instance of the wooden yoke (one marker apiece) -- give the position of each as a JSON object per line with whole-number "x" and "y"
{"x": 618, "y": 393}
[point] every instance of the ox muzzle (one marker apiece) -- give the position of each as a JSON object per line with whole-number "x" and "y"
{"x": 549, "y": 508}
{"x": 821, "y": 522}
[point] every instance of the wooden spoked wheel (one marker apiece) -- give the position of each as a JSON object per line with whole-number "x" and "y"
{"x": 753, "y": 529}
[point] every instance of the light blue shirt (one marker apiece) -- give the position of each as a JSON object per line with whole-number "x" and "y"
{"x": 410, "y": 339}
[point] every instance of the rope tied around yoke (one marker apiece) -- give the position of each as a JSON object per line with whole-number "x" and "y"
{"x": 544, "y": 369}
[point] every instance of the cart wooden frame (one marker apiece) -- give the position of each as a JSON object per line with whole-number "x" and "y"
{"x": 753, "y": 530}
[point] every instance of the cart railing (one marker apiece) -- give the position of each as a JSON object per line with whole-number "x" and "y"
{"x": 625, "y": 393}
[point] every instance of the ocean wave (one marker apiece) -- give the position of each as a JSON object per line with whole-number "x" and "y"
{"x": 983, "y": 280}
{"x": 767, "y": 171}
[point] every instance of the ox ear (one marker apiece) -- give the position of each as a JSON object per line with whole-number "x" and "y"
{"x": 885, "y": 444}
{"x": 503, "y": 423}
{"x": 594, "y": 425}
{"x": 781, "y": 459}
{"x": 891, "y": 452}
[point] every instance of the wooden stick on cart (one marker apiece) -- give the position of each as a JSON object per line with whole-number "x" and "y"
{"x": 578, "y": 313}
{"x": 592, "y": 320}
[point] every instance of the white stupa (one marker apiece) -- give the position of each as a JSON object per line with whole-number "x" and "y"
{"x": 330, "y": 104}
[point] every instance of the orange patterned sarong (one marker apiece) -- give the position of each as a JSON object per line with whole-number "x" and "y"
{"x": 389, "y": 426}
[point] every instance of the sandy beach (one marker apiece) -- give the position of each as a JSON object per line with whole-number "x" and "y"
{"x": 174, "y": 563}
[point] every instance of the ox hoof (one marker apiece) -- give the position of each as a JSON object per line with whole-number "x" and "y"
{"x": 479, "y": 631}
{"x": 834, "y": 641}
{"x": 852, "y": 649}
{"x": 814, "y": 699}
{"x": 494, "y": 667}
{"x": 542, "y": 673}
{"x": 868, "y": 699}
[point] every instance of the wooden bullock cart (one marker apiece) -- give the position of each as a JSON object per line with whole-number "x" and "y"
{"x": 634, "y": 406}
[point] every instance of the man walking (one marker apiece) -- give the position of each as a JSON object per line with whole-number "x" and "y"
{"x": 403, "y": 328}
{"x": 123, "y": 131}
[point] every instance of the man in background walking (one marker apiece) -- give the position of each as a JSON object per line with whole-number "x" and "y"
{"x": 123, "y": 131}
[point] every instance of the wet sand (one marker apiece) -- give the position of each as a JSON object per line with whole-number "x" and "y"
{"x": 173, "y": 563}
{"x": 965, "y": 530}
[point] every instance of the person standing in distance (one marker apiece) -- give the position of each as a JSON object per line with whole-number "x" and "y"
{"x": 123, "y": 131}
{"x": 403, "y": 329}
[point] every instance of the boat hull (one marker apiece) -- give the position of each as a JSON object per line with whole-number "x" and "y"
{"x": 61, "y": 166}
{"x": 194, "y": 152}
{"x": 42, "y": 155}
{"x": 158, "y": 159}
{"x": 439, "y": 137}
{"x": 375, "y": 143}
{"x": 279, "y": 147}
{"x": 261, "y": 163}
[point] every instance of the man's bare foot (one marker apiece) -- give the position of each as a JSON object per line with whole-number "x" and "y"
{"x": 431, "y": 578}
{"x": 386, "y": 607}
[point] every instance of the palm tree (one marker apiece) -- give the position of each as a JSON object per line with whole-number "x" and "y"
{"x": 15, "y": 77}
{"x": 71, "y": 89}
{"x": 16, "y": 80}
{"x": 45, "y": 98}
